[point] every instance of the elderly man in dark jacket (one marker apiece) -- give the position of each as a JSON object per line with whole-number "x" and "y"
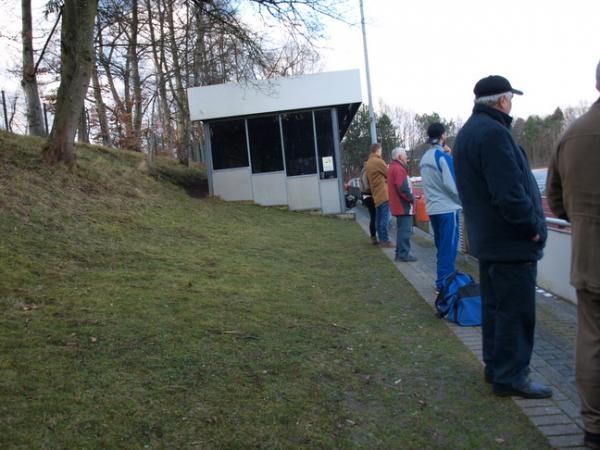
{"x": 574, "y": 194}
{"x": 506, "y": 230}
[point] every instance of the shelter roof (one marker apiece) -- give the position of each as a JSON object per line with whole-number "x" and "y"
{"x": 340, "y": 88}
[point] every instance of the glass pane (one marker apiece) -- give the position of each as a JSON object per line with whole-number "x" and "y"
{"x": 228, "y": 144}
{"x": 325, "y": 144}
{"x": 299, "y": 143}
{"x": 265, "y": 144}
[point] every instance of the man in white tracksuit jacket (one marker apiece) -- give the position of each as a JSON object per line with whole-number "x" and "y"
{"x": 442, "y": 201}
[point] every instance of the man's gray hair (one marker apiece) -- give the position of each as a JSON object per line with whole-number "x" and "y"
{"x": 598, "y": 73}
{"x": 491, "y": 100}
{"x": 397, "y": 152}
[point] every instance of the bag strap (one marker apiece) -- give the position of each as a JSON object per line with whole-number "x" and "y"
{"x": 442, "y": 294}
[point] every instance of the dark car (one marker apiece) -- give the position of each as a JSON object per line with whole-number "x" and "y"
{"x": 354, "y": 187}
{"x": 352, "y": 192}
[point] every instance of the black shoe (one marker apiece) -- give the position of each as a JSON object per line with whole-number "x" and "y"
{"x": 591, "y": 440}
{"x": 409, "y": 258}
{"x": 528, "y": 390}
{"x": 488, "y": 378}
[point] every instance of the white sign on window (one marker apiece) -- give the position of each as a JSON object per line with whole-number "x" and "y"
{"x": 327, "y": 163}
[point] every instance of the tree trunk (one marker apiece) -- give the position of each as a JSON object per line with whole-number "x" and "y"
{"x": 77, "y": 54}
{"x": 83, "y": 134}
{"x": 135, "y": 78}
{"x": 159, "y": 57}
{"x": 119, "y": 111}
{"x": 35, "y": 116}
{"x": 101, "y": 109}
{"x": 179, "y": 93}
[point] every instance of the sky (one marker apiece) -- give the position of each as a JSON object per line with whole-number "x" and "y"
{"x": 426, "y": 55}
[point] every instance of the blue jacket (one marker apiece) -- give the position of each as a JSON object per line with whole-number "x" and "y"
{"x": 499, "y": 195}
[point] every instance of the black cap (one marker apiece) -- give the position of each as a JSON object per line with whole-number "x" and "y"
{"x": 435, "y": 130}
{"x": 492, "y": 85}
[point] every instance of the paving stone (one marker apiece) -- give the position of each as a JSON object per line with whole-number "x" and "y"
{"x": 566, "y": 441}
{"x": 569, "y": 407}
{"x": 559, "y": 430}
{"x": 559, "y": 395}
{"x": 556, "y": 419}
{"x": 550, "y": 373}
{"x": 542, "y": 411}
{"x": 534, "y": 402}
{"x": 539, "y": 363}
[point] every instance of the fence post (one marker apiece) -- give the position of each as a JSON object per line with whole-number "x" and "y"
{"x": 4, "y": 107}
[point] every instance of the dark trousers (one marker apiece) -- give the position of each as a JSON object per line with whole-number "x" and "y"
{"x": 587, "y": 358}
{"x": 445, "y": 234}
{"x": 508, "y": 319}
{"x": 404, "y": 226}
{"x": 383, "y": 221}
{"x": 370, "y": 204}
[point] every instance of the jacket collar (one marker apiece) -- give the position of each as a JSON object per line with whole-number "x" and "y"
{"x": 494, "y": 113}
{"x": 395, "y": 161}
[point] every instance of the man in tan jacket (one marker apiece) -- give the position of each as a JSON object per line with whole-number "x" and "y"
{"x": 574, "y": 195}
{"x": 377, "y": 175}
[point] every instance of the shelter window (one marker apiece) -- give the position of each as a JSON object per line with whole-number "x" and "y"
{"x": 265, "y": 144}
{"x": 299, "y": 143}
{"x": 228, "y": 143}
{"x": 325, "y": 144}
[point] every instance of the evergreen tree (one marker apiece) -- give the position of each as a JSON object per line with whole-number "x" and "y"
{"x": 537, "y": 135}
{"x": 424, "y": 120}
{"x": 387, "y": 134}
{"x": 355, "y": 146}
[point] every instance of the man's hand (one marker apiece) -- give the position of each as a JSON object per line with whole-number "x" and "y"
{"x": 536, "y": 238}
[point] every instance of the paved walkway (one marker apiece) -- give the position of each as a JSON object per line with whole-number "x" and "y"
{"x": 553, "y": 354}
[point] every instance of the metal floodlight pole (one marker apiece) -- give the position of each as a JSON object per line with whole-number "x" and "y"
{"x": 371, "y": 113}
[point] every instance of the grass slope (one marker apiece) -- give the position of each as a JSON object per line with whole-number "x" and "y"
{"x": 135, "y": 316}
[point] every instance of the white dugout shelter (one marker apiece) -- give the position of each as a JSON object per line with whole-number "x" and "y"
{"x": 277, "y": 142}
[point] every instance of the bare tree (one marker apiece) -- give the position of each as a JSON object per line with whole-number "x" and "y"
{"x": 35, "y": 117}
{"x": 404, "y": 120}
{"x": 77, "y": 54}
{"x": 100, "y": 109}
{"x": 573, "y": 112}
{"x": 137, "y": 100}
{"x": 149, "y": 52}
{"x": 118, "y": 55}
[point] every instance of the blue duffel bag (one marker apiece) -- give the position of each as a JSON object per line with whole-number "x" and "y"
{"x": 459, "y": 300}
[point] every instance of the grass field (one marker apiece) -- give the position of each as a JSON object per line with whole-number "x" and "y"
{"x": 133, "y": 315}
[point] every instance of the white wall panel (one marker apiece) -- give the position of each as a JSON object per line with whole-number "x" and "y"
{"x": 270, "y": 188}
{"x": 555, "y": 267}
{"x": 303, "y": 192}
{"x": 233, "y": 184}
{"x": 330, "y": 196}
